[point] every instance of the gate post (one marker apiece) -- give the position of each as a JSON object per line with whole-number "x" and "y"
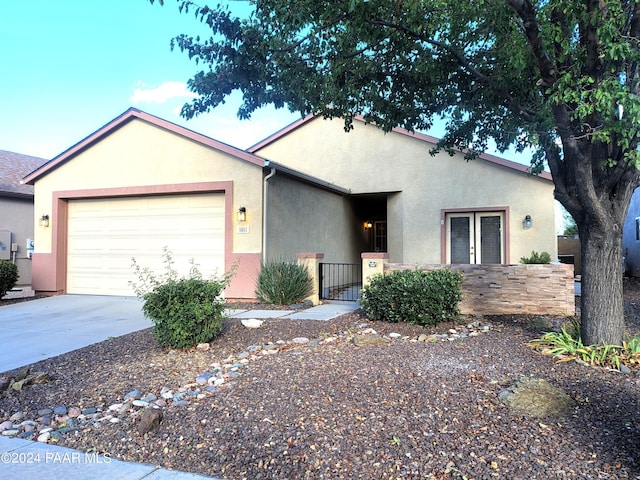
{"x": 312, "y": 263}
{"x": 372, "y": 264}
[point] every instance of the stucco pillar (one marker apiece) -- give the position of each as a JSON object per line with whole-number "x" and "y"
{"x": 372, "y": 264}
{"x": 312, "y": 262}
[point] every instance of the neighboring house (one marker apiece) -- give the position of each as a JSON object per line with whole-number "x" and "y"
{"x": 631, "y": 237}
{"x": 16, "y": 211}
{"x": 141, "y": 183}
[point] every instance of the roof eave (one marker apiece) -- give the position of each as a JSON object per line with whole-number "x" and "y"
{"x": 419, "y": 136}
{"x": 303, "y": 177}
{"x": 18, "y": 195}
{"x": 123, "y": 119}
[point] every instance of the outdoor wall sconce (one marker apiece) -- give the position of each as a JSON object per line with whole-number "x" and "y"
{"x": 527, "y": 222}
{"x": 242, "y": 214}
{"x": 368, "y": 225}
{"x": 44, "y": 221}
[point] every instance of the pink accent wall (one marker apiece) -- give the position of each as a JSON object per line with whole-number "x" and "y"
{"x": 50, "y": 269}
{"x": 243, "y": 284}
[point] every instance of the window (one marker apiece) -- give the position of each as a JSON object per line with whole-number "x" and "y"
{"x": 475, "y": 237}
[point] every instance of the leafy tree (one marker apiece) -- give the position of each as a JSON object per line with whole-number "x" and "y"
{"x": 560, "y": 76}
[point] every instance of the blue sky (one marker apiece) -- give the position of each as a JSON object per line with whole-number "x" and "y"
{"x": 71, "y": 66}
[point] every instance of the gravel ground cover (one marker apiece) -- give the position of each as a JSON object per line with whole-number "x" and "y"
{"x": 333, "y": 409}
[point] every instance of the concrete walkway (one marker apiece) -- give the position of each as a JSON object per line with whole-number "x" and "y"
{"x": 39, "y": 329}
{"x": 323, "y": 312}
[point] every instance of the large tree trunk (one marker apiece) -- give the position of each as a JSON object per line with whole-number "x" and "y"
{"x": 602, "y": 306}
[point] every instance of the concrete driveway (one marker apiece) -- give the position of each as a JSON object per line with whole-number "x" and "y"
{"x": 38, "y": 329}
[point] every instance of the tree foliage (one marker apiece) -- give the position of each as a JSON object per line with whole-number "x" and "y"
{"x": 555, "y": 75}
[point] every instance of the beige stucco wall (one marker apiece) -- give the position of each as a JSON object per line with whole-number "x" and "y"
{"x": 140, "y": 154}
{"x": 144, "y": 159}
{"x": 367, "y": 160}
{"x": 304, "y": 218}
{"x": 16, "y": 216}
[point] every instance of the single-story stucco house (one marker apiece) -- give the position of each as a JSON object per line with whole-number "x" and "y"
{"x": 140, "y": 183}
{"x": 16, "y": 211}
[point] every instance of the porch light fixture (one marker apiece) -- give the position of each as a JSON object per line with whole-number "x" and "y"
{"x": 368, "y": 225}
{"x": 242, "y": 214}
{"x": 44, "y": 221}
{"x": 527, "y": 223}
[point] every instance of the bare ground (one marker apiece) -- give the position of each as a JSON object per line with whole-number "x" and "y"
{"x": 338, "y": 410}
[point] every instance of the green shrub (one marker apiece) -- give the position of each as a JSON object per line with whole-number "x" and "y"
{"x": 8, "y": 276}
{"x": 413, "y": 296}
{"x": 536, "y": 257}
{"x": 283, "y": 283}
{"x": 185, "y": 311}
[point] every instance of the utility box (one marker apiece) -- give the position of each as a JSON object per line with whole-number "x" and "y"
{"x": 30, "y": 247}
{"x": 5, "y": 245}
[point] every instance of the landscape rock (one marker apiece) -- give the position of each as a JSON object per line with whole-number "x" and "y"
{"x": 150, "y": 420}
{"x": 374, "y": 339}
{"x": 133, "y": 395}
{"x": 17, "y": 417}
{"x": 74, "y": 412}
{"x": 5, "y": 381}
{"x": 61, "y": 410}
{"x": 252, "y": 322}
{"x": 537, "y": 398}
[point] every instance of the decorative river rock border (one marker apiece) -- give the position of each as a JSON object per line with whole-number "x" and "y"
{"x": 54, "y": 422}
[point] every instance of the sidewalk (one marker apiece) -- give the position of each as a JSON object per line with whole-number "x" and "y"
{"x": 30, "y": 460}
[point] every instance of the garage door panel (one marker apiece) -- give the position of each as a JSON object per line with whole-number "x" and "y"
{"x": 106, "y": 234}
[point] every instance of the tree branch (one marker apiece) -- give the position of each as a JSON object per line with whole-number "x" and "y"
{"x": 525, "y": 112}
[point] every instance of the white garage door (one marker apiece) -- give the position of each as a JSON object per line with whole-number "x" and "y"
{"x": 105, "y": 234}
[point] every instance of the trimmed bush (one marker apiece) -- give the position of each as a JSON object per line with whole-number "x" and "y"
{"x": 185, "y": 311}
{"x": 413, "y": 296}
{"x": 537, "y": 258}
{"x": 8, "y": 276}
{"x": 283, "y": 283}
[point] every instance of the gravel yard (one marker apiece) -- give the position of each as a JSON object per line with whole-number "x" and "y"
{"x": 343, "y": 407}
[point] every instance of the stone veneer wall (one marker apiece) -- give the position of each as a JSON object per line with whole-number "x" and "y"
{"x": 512, "y": 289}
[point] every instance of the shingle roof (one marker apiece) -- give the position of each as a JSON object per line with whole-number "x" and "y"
{"x": 13, "y": 168}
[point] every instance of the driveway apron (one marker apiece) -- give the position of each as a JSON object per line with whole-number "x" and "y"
{"x": 38, "y": 329}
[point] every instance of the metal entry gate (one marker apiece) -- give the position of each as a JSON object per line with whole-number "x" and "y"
{"x": 340, "y": 281}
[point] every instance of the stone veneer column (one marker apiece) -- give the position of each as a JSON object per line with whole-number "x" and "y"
{"x": 372, "y": 264}
{"x": 312, "y": 262}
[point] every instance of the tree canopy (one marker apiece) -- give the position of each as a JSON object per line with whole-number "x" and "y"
{"x": 558, "y": 76}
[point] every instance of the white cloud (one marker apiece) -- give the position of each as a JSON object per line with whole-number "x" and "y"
{"x": 165, "y": 91}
